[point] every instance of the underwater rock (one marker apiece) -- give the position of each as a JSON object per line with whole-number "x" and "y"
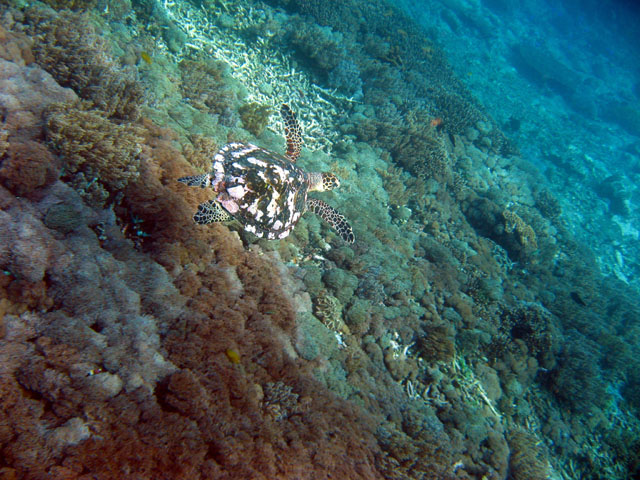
{"x": 543, "y": 67}
{"x": 618, "y": 189}
{"x": 64, "y": 217}
{"x": 74, "y": 431}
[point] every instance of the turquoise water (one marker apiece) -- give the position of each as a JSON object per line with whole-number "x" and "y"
{"x": 482, "y": 325}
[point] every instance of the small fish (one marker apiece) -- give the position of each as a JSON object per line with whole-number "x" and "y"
{"x": 233, "y": 356}
{"x": 437, "y": 123}
{"x": 95, "y": 371}
{"x": 146, "y": 57}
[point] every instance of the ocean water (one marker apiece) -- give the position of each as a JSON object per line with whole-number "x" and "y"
{"x": 485, "y": 321}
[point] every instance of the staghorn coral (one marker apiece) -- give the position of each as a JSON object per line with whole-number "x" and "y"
{"x": 458, "y": 113}
{"x": 94, "y": 149}
{"x": 70, "y": 50}
{"x": 414, "y": 145}
{"x": 422, "y": 151}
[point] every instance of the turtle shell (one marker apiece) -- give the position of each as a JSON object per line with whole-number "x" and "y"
{"x": 261, "y": 189}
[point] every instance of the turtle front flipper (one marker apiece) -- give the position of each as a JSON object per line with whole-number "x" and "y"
{"x": 333, "y": 218}
{"x": 210, "y": 212}
{"x": 201, "y": 181}
{"x": 292, "y": 132}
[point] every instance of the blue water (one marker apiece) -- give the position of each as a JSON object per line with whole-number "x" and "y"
{"x": 563, "y": 80}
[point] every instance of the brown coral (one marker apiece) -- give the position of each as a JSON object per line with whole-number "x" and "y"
{"x": 204, "y": 84}
{"x": 255, "y": 117}
{"x": 16, "y": 47}
{"x": 329, "y": 310}
{"x": 528, "y": 459}
{"x": 90, "y": 144}
{"x": 513, "y": 223}
{"x": 27, "y": 166}
{"x": 71, "y": 51}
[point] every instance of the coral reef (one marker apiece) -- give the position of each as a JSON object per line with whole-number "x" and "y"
{"x": 329, "y": 310}
{"x": 69, "y": 48}
{"x": 255, "y": 117}
{"x": 27, "y": 166}
{"x": 134, "y": 343}
{"x": 100, "y": 157}
{"x": 513, "y": 223}
{"x": 528, "y": 460}
{"x": 203, "y": 83}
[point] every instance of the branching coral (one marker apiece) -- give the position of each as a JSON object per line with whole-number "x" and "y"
{"x": 204, "y": 85}
{"x": 529, "y": 458}
{"x": 457, "y": 113}
{"x": 94, "y": 149}
{"x": 279, "y": 400}
{"x": 255, "y": 117}
{"x": 526, "y": 236}
{"x": 415, "y": 145}
{"x": 329, "y": 310}
{"x": 422, "y": 152}
{"x": 71, "y": 51}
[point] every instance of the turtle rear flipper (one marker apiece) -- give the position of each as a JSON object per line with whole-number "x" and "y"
{"x": 210, "y": 212}
{"x": 333, "y": 218}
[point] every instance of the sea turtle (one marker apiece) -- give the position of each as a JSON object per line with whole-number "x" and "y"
{"x": 265, "y": 191}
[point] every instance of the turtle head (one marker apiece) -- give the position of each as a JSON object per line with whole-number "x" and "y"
{"x": 321, "y": 182}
